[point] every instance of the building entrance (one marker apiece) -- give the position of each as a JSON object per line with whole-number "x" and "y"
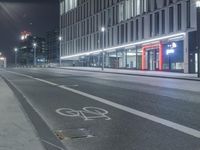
{"x": 153, "y": 59}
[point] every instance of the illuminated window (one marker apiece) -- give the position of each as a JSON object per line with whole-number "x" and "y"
{"x": 62, "y": 7}
{"x": 145, "y": 6}
{"x": 121, "y": 12}
{"x": 137, "y": 7}
{"x": 70, "y": 4}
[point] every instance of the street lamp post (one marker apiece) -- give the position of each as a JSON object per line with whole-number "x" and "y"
{"x": 34, "y": 53}
{"x": 16, "y": 50}
{"x": 103, "y": 31}
{"x": 198, "y": 35}
{"x": 60, "y": 39}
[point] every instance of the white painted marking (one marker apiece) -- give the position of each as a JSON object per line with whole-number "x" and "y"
{"x": 176, "y": 126}
{"x": 87, "y": 113}
{"x": 153, "y": 118}
{"x": 75, "y": 85}
{"x": 45, "y": 81}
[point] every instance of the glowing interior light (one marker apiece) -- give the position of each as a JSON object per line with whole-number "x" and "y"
{"x": 170, "y": 51}
{"x": 198, "y": 3}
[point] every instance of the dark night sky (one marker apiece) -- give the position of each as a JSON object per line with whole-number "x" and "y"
{"x": 36, "y": 16}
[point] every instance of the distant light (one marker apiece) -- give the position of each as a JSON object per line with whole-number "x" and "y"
{"x": 60, "y": 38}
{"x": 22, "y": 37}
{"x": 0, "y": 53}
{"x": 2, "y": 58}
{"x": 15, "y": 49}
{"x": 103, "y": 29}
{"x": 34, "y": 44}
{"x": 198, "y": 4}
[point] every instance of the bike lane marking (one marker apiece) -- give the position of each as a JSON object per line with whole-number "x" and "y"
{"x": 87, "y": 113}
{"x": 167, "y": 123}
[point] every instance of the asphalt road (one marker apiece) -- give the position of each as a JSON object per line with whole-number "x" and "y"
{"x": 101, "y": 111}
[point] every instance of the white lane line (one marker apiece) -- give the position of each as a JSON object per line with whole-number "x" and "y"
{"x": 45, "y": 81}
{"x": 173, "y": 125}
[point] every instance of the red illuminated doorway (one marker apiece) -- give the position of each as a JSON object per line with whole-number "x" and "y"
{"x": 152, "y": 57}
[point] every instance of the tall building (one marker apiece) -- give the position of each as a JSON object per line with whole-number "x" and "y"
{"x": 139, "y": 34}
{"x": 26, "y": 49}
{"x": 53, "y": 48}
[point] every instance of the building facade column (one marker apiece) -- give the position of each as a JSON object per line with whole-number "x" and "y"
{"x": 186, "y": 54}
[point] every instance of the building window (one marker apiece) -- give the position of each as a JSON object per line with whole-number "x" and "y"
{"x": 163, "y": 21}
{"x": 171, "y": 19}
{"x": 170, "y": 2}
{"x": 151, "y": 25}
{"x": 127, "y": 9}
{"x": 112, "y": 37}
{"x": 117, "y": 34}
{"x": 155, "y": 5}
{"x": 62, "y": 8}
{"x": 179, "y": 16}
{"x": 132, "y": 31}
{"x": 109, "y": 17}
{"x": 157, "y": 22}
{"x": 188, "y": 13}
{"x": 164, "y": 3}
{"x": 127, "y": 33}
{"x": 108, "y": 37}
{"x": 121, "y": 12}
{"x": 145, "y": 6}
{"x": 137, "y": 29}
{"x": 137, "y": 7}
{"x": 122, "y": 33}
{"x": 113, "y": 14}
{"x": 142, "y": 27}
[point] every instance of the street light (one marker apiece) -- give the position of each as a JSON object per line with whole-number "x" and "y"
{"x": 198, "y": 34}
{"x": 103, "y": 30}
{"x": 16, "y": 50}
{"x": 60, "y": 39}
{"x": 34, "y": 53}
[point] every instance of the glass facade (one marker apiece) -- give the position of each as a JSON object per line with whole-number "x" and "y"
{"x": 129, "y": 25}
{"x": 167, "y": 56}
{"x": 173, "y": 56}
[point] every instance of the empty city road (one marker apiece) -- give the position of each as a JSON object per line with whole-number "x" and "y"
{"x": 79, "y": 110}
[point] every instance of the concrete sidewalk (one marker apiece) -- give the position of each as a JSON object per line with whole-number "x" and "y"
{"x": 16, "y": 130}
{"x": 159, "y": 74}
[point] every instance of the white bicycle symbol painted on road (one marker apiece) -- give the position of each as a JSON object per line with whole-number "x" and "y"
{"x": 87, "y": 113}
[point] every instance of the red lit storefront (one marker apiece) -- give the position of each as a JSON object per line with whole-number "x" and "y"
{"x": 152, "y": 57}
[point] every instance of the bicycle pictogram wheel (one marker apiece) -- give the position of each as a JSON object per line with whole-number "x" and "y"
{"x": 67, "y": 112}
{"x": 95, "y": 110}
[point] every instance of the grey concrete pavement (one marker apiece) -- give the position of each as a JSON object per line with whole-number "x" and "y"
{"x": 16, "y": 130}
{"x": 160, "y": 74}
